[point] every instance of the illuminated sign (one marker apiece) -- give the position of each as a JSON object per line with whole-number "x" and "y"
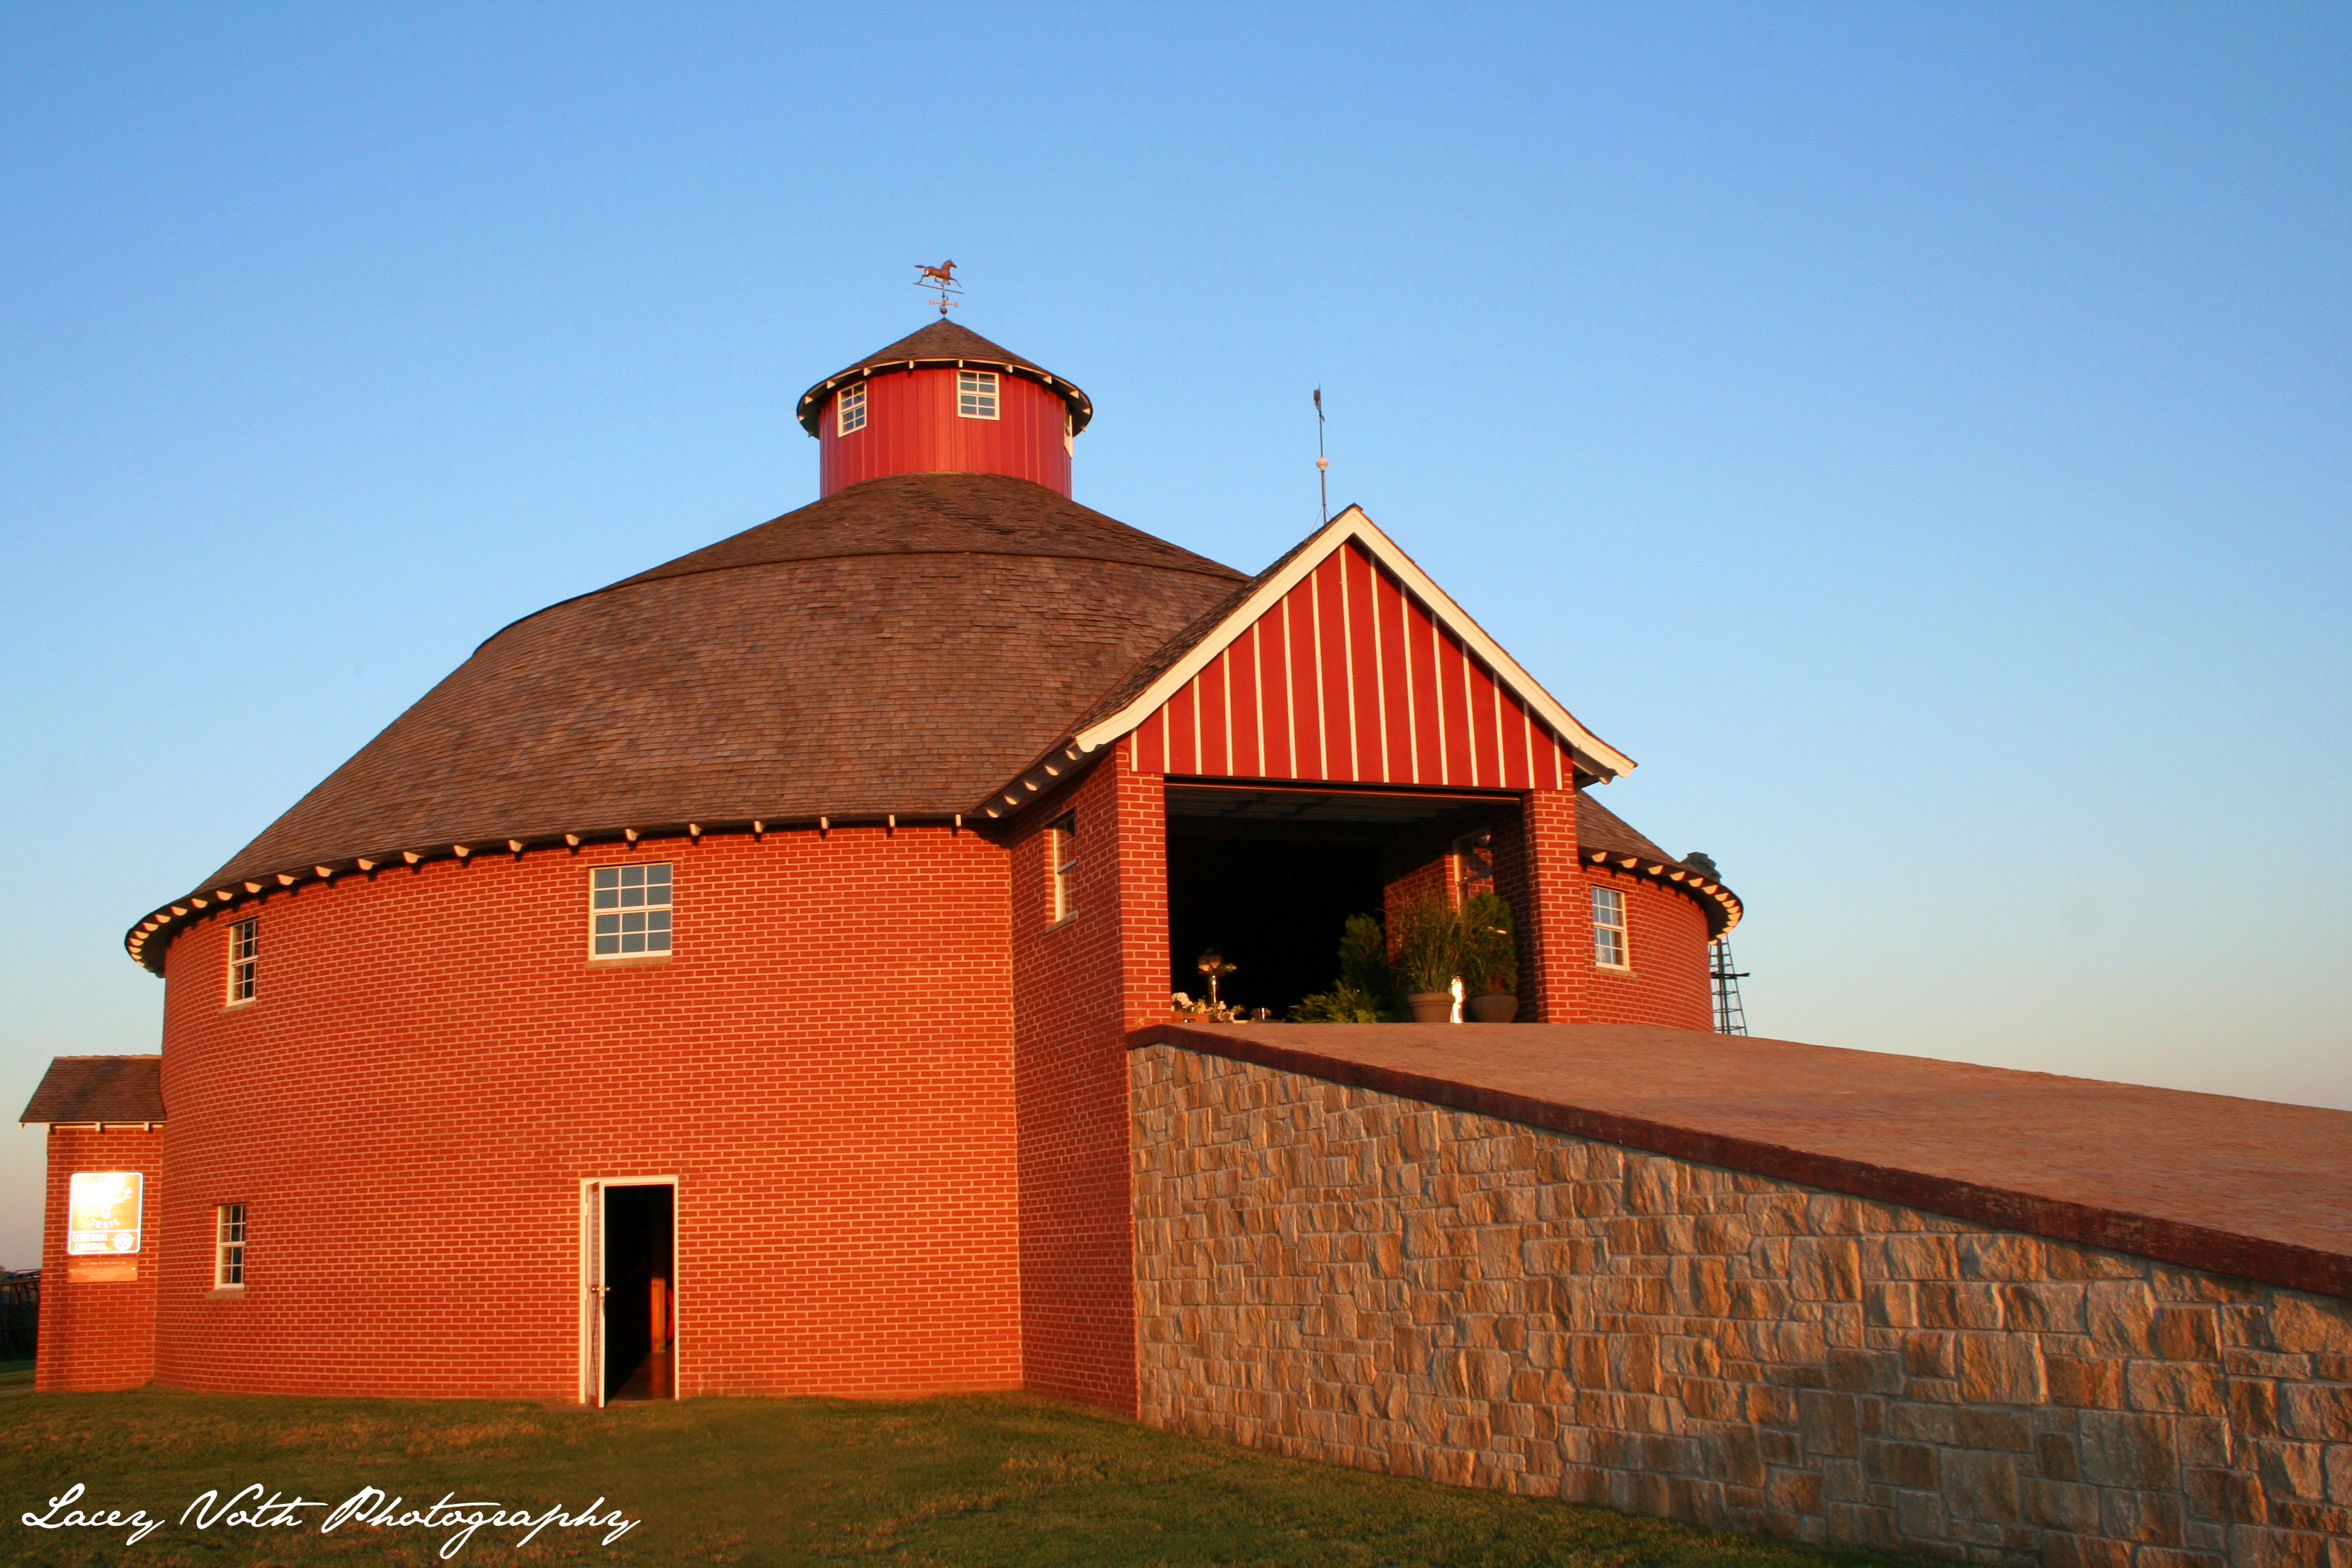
{"x": 102, "y": 1212}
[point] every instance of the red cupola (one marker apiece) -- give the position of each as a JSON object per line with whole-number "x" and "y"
{"x": 945, "y": 400}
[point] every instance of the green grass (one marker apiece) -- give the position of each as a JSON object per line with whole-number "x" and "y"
{"x": 13, "y": 1373}
{"x": 973, "y": 1482}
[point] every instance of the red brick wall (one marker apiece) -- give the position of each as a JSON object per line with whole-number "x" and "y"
{"x": 1077, "y": 986}
{"x": 1549, "y": 891}
{"x": 434, "y": 1065}
{"x": 1667, "y": 982}
{"x": 1555, "y": 918}
{"x": 98, "y": 1335}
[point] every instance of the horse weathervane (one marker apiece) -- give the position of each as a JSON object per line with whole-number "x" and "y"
{"x": 942, "y": 278}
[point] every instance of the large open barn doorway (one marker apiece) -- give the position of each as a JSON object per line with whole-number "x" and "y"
{"x": 630, "y": 1260}
{"x": 1268, "y": 876}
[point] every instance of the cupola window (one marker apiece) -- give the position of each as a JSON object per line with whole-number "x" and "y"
{"x": 629, "y": 911}
{"x": 243, "y": 959}
{"x": 976, "y": 394}
{"x": 1610, "y": 949}
{"x": 849, "y": 410}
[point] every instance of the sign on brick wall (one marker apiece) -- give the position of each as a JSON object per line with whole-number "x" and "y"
{"x": 103, "y": 1212}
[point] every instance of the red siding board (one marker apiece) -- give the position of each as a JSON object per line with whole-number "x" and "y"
{"x": 913, "y": 427}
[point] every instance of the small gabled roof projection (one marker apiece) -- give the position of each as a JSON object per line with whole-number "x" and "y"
{"x": 98, "y": 1089}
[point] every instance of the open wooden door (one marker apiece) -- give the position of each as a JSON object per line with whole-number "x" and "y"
{"x": 591, "y": 1279}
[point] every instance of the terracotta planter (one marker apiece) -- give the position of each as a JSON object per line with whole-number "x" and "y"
{"x": 1493, "y": 1006}
{"x": 1431, "y": 1006}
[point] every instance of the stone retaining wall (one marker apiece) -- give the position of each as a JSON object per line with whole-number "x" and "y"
{"x": 1348, "y": 1276}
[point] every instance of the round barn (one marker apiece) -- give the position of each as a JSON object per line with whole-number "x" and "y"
{"x": 721, "y": 983}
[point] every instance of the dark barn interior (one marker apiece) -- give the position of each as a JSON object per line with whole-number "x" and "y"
{"x": 1268, "y": 878}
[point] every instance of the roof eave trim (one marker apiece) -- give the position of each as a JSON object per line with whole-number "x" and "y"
{"x": 1602, "y": 760}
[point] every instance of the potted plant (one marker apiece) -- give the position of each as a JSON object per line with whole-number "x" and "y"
{"x": 1429, "y": 957}
{"x": 1365, "y": 991}
{"x": 1490, "y": 959}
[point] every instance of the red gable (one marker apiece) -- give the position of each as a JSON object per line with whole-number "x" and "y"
{"x": 1348, "y": 665}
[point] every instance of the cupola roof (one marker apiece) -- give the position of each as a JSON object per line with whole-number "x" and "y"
{"x": 944, "y": 344}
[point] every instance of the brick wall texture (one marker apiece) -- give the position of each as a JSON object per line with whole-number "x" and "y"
{"x": 98, "y": 1334}
{"x": 1347, "y": 1276}
{"x": 432, "y": 1065}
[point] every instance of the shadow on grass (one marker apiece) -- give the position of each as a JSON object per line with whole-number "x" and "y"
{"x": 973, "y": 1482}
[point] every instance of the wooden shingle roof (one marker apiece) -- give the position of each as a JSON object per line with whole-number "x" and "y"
{"x": 98, "y": 1089}
{"x": 899, "y": 646}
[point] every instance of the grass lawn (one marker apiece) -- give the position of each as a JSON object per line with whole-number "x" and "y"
{"x": 973, "y": 1481}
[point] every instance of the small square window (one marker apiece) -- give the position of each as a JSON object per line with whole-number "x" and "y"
{"x": 1610, "y": 948}
{"x": 243, "y": 959}
{"x": 976, "y": 394}
{"x": 629, "y": 910}
{"x": 1062, "y": 861}
{"x": 849, "y": 410}
{"x": 228, "y": 1246}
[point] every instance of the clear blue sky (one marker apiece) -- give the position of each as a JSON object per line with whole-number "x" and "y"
{"x": 1916, "y": 434}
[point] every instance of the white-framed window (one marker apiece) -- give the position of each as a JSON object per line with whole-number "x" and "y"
{"x": 228, "y": 1246}
{"x": 1061, "y": 864}
{"x": 243, "y": 959}
{"x": 1610, "y": 948}
{"x": 849, "y": 409}
{"x": 976, "y": 394}
{"x": 629, "y": 910}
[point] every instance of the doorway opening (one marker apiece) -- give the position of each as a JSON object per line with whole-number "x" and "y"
{"x": 633, "y": 1290}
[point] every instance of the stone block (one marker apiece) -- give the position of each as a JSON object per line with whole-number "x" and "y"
{"x": 2291, "y": 1514}
{"x": 2179, "y": 1557}
{"x": 1793, "y": 1491}
{"x": 2001, "y": 1431}
{"x": 2000, "y": 1256}
{"x": 2294, "y": 1470}
{"x": 2056, "y": 1505}
{"x": 2001, "y": 1369}
{"x": 2335, "y": 1464}
{"x": 1826, "y": 1268}
{"x": 1911, "y": 1465}
{"x": 1827, "y": 1423}
{"x": 2120, "y": 1317}
{"x": 1859, "y": 1524}
{"x": 1954, "y": 1306}
{"x": 1930, "y": 1356}
{"x": 2127, "y": 1450}
{"x": 2084, "y": 1552}
{"x": 2255, "y": 1546}
{"x": 1890, "y": 1304}
{"x": 2188, "y": 1334}
{"x": 1757, "y": 1300}
{"x": 2253, "y": 1406}
{"x": 1984, "y": 1487}
{"x": 1864, "y": 1372}
{"x": 1701, "y": 1286}
{"x": 2316, "y": 1411}
{"x": 2230, "y": 1497}
{"x": 1922, "y": 1256}
{"x": 2204, "y": 1440}
{"x": 2152, "y": 1518}
{"x": 2054, "y": 1453}
{"x": 2177, "y": 1388}
{"x": 2044, "y": 1309}
{"x": 2304, "y": 1323}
